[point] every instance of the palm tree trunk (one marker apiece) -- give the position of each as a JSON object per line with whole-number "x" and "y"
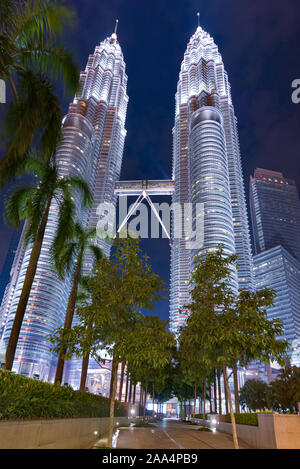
{"x": 233, "y": 424}
{"x": 236, "y": 388}
{"x": 121, "y": 381}
{"x": 219, "y": 391}
{"x": 68, "y": 322}
{"x": 114, "y": 378}
{"x": 29, "y": 277}
{"x": 84, "y": 370}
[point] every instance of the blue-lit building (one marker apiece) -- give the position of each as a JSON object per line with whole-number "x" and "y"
{"x": 279, "y": 270}
{"x": 275, "y": 212}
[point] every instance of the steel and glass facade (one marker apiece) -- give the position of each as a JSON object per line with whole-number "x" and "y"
{"x": 207, "y": 169}
{"x": 92, "y": 147}
{"x": 275, "y": 212}
{"x": 277, "y": 269}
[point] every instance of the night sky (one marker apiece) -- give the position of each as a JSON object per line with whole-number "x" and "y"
{"x": 259, "y": 43}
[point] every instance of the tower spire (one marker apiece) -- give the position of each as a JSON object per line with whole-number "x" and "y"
{"x": 116, "y": 27}
{"x": 198, "y": 14}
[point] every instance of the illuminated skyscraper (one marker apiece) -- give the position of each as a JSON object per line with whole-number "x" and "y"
{"x": 207, "y": 169}
{"x": 275, "y": 212}
{"x": 92, "y": 147}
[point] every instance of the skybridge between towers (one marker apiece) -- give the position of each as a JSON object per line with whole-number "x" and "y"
{"x": 143, "y": 190}
{"x": 136, "y": 188}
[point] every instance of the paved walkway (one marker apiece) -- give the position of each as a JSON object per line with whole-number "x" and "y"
{"x": 173, "y": 434}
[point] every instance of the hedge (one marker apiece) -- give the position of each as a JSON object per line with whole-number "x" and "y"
{"x": 200, "y": 416}
{"x": 26, "y": 398}
{"x": 244, "y": 419}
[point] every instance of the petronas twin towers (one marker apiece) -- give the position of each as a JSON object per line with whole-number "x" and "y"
{"x": 206, "y": 170}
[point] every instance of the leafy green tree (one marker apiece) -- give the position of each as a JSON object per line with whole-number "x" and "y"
{"x": 230, "y": 329}
{"x": 32, "y": 203}
{"x": 150, "y": 349}
{"x": 196, "y": 369}
{"x": 120, "y": 287}
{"x": 284, "y": 392}
{"x": 182, "y": 390}
{"x": 29, "y": 53}
{"x": 254, "y": 395}
{"x": 67, "y": 253}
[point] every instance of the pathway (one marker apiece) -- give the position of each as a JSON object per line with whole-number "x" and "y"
{"x": 173, "y": 434}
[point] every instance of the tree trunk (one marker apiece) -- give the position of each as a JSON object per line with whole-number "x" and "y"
{"x": 114, "y": 378}
{"x": 204, "y": 400}
{"x": 130, "y": 392}
{"x": 236, "y": 388}
{"x": 127, "y": 381}
{"x": 134, "y": 394}
{"x": 141, "y": 395}
{"x": 84, "y": 370}
{"x": 68, "y": 322}
{"x": 226, "y": 394}
{"x": 121, "y": 381}
{"x": 195, "y": 400}
{"x": 210, "y": 400}
{"x": 29, "y": 277}
{"x": 219, "y": 391}
{"x": 189, "y": 411}
{"x": 233, "y": 424}
{"x": 215, "y": 393}
{"x": 146, "y": 392}
{"x": 153, "y": 400}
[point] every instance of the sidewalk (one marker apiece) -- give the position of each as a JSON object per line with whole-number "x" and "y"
{"x": 173, "y": 434}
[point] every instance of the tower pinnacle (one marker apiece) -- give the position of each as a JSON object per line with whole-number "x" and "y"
{"x": 116, "y": 27}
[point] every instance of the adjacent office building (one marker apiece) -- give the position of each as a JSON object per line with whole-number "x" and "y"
{"x": 275, "y": 210}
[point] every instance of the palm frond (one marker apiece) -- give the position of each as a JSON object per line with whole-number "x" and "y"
{"x": 63, "y": 260}
{"x": 37, "y": 108}
{"x": 51, "y": 60}
{"x": 43, "y": 18}
{"x": 16, "y": 207}
{"x": 65, "y": 231}
{"x": 96, "y": 251}
{"x": 9, "y": 13}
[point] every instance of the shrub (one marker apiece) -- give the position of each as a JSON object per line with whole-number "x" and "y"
{"x": 244, "y": 419}
{"x": 25, "y": 398}
{"x": 200, "y": 416}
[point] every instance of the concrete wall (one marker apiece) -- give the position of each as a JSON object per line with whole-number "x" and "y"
{"x": 54, "y": 434}
{"x": 274, "y": 431}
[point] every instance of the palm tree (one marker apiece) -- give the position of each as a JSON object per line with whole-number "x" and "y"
{"x": 29, "y": 53}
{"x": 65, "y": 255}
{"x": 32, "y": 203}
